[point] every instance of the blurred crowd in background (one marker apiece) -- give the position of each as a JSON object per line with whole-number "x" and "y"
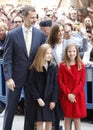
{"x": 80, "y": 20}
{"x": 76, "y": 17}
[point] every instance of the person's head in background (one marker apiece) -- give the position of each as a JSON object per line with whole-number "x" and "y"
{"x": 68, "y": 30}
{"x": 3, "y": 31}
{"x": 88, "y": 22}
{"x": 17, "y": 21}
{"x": 56, "y": 34}
{"x": 73, "y": 15}
{"x": 91, "y": 4}
{"x": 90, "y": 12}
{"x": 82, "y": 14}
{"x": 45, "y": 26}
{"x": 90, "y": 35}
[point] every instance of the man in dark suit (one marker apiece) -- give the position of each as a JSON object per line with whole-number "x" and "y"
{"x": 16, "y": 67}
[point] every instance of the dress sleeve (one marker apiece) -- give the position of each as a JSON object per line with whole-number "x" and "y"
{"x": 80, "y": 85}
{"x": 32, "y": 84}
{"x": 61, "y": 79}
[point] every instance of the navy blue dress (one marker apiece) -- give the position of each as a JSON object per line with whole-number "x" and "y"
{"x": 44, "y": 85}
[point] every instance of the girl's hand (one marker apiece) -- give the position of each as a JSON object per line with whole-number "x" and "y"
{"x": 52, "y": 105}
{"x": 41, "y": 102}
{"x": 71, "y": 97}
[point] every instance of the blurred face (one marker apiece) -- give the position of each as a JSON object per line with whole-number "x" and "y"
{"x": 48, "y": 55}
{"x": 73, "y": 15}
{"x": 17, "y": 21}
{"x": 46, "y": 30}
{"x": 89, "y": 36}
{"x": 30, "y": 19}
{"x": 60, "y": 33}
{"x": 80, "y": 16}
{"x": 68, "y": 31}
{"x": 88, "y": 22}
{"x": 2, "y": 33}
{"x": 91, "y": 13}
{"x": 72, "y": 53}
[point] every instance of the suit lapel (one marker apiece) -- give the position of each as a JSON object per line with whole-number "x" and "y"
{"x": 34, "y": 42}
{"x": 33, "y": 39}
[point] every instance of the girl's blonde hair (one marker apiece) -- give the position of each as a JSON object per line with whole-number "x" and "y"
{"x": 39, "y": 59}
{"x": 77, "y": 59}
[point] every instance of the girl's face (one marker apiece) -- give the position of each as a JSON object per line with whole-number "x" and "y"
{"x": 71, "y": 53}
{"x": 60, "y": 33}
{"x": 48, "y": 55}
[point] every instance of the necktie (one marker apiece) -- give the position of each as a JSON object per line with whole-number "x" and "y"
{"x": 28, "y": 41}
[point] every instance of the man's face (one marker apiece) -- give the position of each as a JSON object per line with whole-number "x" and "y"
{"x": 88, "y": 22}
{"x": 73, "y": 14}
{"x": 17, "y": 21}
{"x": 46, "y": 30}
{"x": 68, "y": 31}
{"x": 30, "y": 19}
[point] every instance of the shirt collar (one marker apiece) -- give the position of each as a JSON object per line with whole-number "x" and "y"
{"x": 26, "y": 29}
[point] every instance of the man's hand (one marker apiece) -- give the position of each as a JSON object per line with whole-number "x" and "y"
{"x": 11, "y": 84}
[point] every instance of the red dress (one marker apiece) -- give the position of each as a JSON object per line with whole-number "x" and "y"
{"x": 72, "y": 81}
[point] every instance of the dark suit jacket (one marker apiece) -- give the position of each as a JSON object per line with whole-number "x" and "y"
{"x": 16, "y": 60}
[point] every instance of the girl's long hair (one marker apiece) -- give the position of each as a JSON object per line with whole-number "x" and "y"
{"x": 39, "y": 59}
{"x": 77, "y": 59}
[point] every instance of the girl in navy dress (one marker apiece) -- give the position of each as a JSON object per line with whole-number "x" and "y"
{"x": 44, "y": 87}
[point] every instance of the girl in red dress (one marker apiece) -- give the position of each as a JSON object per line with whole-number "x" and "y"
{"x": 71, "y": 78}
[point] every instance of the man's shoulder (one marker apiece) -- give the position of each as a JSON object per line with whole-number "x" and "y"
{"x": 37, "y": 30}
{"x": 15, "y": 30}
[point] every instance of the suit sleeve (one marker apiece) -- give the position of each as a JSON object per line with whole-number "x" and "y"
{"x": 8, "y": 56}
{"x": 32, "y": 84}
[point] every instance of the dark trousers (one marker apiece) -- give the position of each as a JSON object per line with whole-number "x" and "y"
{"x": 11, "y": 107}
{"x": 59, "y": 116}
{"x": 29, "y": 110}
